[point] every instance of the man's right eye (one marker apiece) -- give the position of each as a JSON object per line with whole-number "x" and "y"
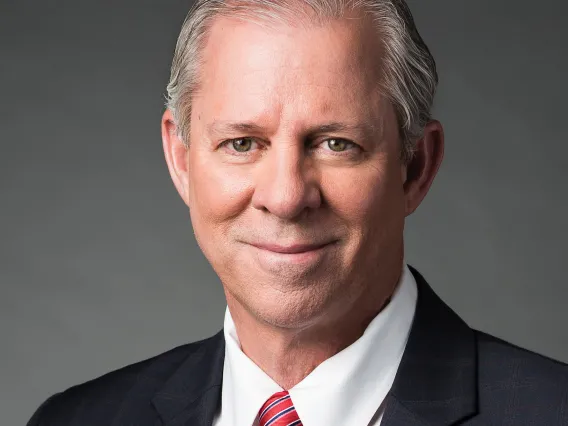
{"x": 240, "y": 144}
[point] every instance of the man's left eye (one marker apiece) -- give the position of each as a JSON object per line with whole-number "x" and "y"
{"x": 242, "y": 144}
{"x": 339, "y": 145}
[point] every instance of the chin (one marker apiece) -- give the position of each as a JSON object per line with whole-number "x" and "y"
{"x": 298, "y": 307}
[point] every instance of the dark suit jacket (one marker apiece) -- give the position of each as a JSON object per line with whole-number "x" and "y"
{"x": 449, "y": 375}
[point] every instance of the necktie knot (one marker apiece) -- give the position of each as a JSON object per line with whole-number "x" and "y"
{"x": 278, "y": 410}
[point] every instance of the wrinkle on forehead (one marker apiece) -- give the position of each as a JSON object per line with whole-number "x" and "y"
{"x": 251, "y": 73}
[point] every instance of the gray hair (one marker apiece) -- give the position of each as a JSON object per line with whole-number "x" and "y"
{"x": 409, "y": 77}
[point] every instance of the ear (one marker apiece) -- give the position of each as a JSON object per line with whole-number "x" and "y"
{"x": 422, "y": 169}
{"x": 176, "y": 154}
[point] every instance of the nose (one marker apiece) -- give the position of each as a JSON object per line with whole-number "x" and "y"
{"x": 286, "y": 184}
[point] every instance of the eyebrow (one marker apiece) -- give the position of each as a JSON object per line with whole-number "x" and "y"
{"x": 222, "y": 127}
{"x": 227, "y": 127}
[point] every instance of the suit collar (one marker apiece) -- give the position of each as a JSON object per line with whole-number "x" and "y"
{"x": 192, "y": 393}
{"x": 436, "y": 382}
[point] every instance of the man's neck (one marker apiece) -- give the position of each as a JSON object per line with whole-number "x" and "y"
{"x": 289, "y": 355}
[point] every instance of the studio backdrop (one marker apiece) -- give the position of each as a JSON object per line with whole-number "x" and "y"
{"x": 98, "y": 265}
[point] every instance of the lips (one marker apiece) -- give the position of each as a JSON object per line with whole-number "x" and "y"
{"x": 290, "y": 249}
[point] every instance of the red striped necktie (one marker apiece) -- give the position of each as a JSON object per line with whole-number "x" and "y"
{"x": 279, "y": 411}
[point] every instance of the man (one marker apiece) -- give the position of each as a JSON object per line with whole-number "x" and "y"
{"x": 299, "y": 135}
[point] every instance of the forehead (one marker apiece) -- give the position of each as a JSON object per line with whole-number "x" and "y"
{"x": 248, "y": 69}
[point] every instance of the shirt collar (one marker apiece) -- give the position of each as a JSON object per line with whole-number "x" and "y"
{"x": 347, "y": 388}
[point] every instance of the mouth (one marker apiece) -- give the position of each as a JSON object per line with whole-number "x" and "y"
{"x": 298, "y": 256}
{"x": 296, "y": 248}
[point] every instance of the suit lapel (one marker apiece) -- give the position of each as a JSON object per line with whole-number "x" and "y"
{"x": 436, "y": 381}
{"x": 396, "y": 414}
{"x": 192, "y": 394}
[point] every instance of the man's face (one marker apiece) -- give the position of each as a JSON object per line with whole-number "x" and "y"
{"x": 295, "y": 183}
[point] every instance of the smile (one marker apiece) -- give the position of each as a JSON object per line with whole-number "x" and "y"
{"x": 291, "y": 249}
{"x": 305, "y": 255}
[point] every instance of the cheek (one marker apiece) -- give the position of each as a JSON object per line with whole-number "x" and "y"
{"x": 366, "y": 197}
{"x": 216, "y": 192}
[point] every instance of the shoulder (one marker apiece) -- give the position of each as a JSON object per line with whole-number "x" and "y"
{"x": 102, "y": 397}
{"x": 500, "y": 359}
{"x": 516, "y": 380}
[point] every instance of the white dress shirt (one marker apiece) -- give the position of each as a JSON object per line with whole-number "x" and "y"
{"x": 347, "y": 389}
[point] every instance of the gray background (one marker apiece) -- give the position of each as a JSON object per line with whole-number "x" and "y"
{"x": 98, "y": 265}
